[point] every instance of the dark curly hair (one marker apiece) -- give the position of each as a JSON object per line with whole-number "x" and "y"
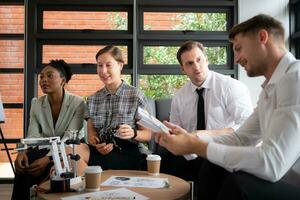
{"x": 63, "y": 68}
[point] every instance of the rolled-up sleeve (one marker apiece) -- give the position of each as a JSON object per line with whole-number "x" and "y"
{"x": 279, "y": 149}
{"x": 239, "y": 104}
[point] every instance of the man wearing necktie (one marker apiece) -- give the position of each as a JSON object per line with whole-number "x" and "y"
{"x": 210, "y": 102}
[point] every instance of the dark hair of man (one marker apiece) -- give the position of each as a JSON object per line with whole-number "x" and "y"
{"x": 256, "y": 23}
{"x": 187, "y": 46}
{"x": 115, "y": 52}
{"x": 63, "y": 68}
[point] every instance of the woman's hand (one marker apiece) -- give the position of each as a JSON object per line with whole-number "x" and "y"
{"x": 104, "y": 148}
{"x": 38, "y": 166}
{"x": 21, "y": 162}
{"x": 93, "y": 140}
{"x": 125, "y": 132}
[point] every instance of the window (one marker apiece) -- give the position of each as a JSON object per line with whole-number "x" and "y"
{"x": 295, "y": 27}
{"x": 164, "y": 28}
{"x": 149, "y": 34}
{"x": 86, "y": 20}
{"x": 180, "y": 21}
{"x": 11, "y": 78}
{"x": 148, "y": 31}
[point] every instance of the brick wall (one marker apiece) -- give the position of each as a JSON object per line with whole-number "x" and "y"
{"x": 12, "y": 55}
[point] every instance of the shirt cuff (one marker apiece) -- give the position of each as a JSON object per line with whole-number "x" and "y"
{"x": 215, "y": 153}
{"x": 205, "y": 137}
{"x": 236, "y": 127}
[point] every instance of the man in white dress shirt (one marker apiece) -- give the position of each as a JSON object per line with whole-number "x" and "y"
{"x": 260, "y": 159}
{"x": 227, "y": 104}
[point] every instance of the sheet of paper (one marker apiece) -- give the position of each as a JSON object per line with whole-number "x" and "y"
{"x": 144, "y": 182}
{"x": 149, "y": 121}
{"x": 120, "y": 193}
{"x": 2, "y": 116}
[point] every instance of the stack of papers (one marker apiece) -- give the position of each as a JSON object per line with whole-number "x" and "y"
{"x": 121, "y": 193}
{"x": 149, "y": 121}
{"x": 144, "y": 182}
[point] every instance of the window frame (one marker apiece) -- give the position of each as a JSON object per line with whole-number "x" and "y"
{"x": 294, "y": 22}
{"x": 12, "y": 36}
{"x": 134, "y": 37}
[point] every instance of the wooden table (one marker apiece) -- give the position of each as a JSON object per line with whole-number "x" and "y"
{"x": 179, "y": 188}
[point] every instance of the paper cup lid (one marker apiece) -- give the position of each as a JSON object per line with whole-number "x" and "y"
{"x": 153, "y": 157}
{"x": 93, "y": 169}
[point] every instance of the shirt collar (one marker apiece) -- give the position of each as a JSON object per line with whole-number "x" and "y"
{"x": 206, "y": 84}
{"x": 65, "y": 102}
{"x": 118, "y": 92}
{"x": 280, "y": 69}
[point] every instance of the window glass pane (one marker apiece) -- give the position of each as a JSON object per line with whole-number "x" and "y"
{"x": 75, "y": 53}
{"x": 216, "y": 55}
{"x": 85, "y": 84}
{"x": 160, "y": 55}
{"x": 12, "y": 88}
{"x": 5, "y": 167}
{"x": 11, "y": 19}
{"x": 11, "y": 54}
{"x": 161, "y": 86}
{"x": 85, "y": 20}
{"x": 127, "y": 78}
{"x": 167, "y": 55}
{"x": 13, "y": 126}
{"x": 185, "y": 21}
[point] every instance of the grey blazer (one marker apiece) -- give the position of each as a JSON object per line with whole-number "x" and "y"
{"x": 71, "y": 116}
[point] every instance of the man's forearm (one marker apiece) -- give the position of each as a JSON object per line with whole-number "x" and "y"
{"x": 200, "y": 147}
{"x": 221, "y": 131}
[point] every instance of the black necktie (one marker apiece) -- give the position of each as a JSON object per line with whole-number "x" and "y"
{"x": 200, "y": 110}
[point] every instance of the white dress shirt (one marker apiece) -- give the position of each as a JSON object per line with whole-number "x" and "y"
{"x": 275, "y": 124}
{"x": 227, "y": 103}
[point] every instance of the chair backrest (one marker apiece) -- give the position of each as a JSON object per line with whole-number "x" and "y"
{"x": 163, "y": 108}
{"x": 151, "y": 106}
{"x": 160, "y": 108}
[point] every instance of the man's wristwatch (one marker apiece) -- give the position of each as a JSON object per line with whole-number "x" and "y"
{"x": 135, "y": 134}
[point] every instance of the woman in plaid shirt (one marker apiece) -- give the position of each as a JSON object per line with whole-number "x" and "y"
{"x": 113, "y": 134}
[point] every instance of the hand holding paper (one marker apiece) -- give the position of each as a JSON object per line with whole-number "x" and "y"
{"x": 147, "y": 120}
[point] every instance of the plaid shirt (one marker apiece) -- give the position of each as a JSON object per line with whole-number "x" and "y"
{"x": 110, "y": 110}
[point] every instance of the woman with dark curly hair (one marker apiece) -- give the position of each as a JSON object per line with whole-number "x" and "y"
{"x": 50, "y": 115}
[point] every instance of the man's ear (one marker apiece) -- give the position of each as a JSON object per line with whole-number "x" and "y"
{"x": 263, "y": 36}
{"x": 206, "y": 59}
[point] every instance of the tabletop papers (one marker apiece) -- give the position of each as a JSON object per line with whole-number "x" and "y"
{"x": 116, "y": 194}
{"x": 144, "y": 182}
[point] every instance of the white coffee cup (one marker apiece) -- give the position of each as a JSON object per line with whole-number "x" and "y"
{"x": 92, "y": 178}
{"x": 153, "y": 164}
